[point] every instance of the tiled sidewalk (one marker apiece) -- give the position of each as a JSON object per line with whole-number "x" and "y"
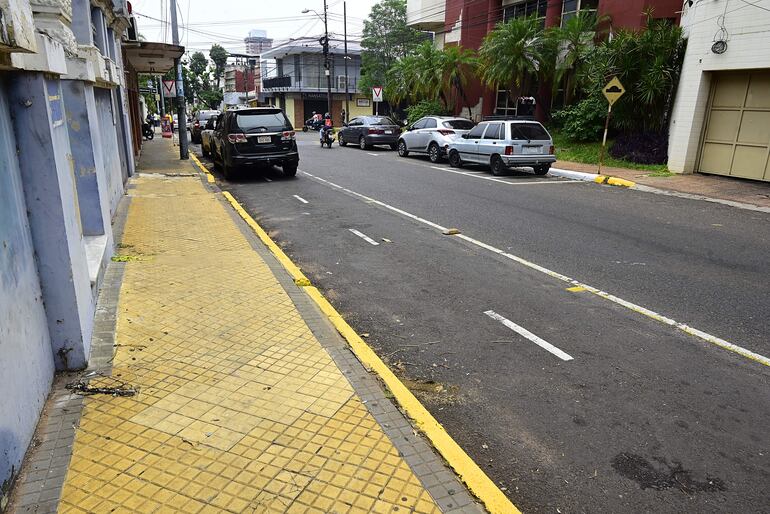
{"x": 244, "y": 403}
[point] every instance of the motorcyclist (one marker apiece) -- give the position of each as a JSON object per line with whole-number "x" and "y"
{"x": 327, "y": 126}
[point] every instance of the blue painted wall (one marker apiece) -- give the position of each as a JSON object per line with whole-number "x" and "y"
{"x": 113, "y": 166}
{"x": 48, "y": 180}
{"x": 26, "y": 360}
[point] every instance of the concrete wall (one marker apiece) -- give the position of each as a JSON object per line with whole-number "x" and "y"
{"x": 26, "y": 360}
{"x": 747, "y": 48}
{"x": 108, "y": 119}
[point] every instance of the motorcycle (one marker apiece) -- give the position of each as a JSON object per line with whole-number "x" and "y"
{"x": 328, "y": 138}
{"x": 313, "y": 125}
{"x": 147, "y": 131}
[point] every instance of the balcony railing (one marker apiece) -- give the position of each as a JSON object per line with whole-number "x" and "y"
{"x": 312, "y": 83}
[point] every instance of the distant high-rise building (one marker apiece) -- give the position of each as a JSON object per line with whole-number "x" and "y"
{"x": 257, "y": 42}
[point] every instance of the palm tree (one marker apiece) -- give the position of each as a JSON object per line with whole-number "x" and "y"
{"x": 455, "y": 64}
{"x": 573, "y": 43}
{"x": 512, "y": 55}
{"x": 401, "y": 80}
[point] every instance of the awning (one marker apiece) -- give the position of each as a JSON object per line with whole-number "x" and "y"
{"x": 152, "y": 58}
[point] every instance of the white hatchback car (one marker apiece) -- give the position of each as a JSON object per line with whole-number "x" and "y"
{"x": 505, "y": 144}
{"x": 432, "y": 135}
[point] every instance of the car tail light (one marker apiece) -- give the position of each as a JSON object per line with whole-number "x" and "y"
{"x": 376, "y": 131}
{"x": 237, "y": 138}
{"x": 508, "y": 150}
{"x": 552, "y": 150}
{"x": 445, "y": 132}
{"x": 197, "y": 123}
{"x": 287, "y": 135}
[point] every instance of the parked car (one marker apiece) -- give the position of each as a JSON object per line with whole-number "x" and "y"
{"x": 367, "y": 131}
{"x": 505, "y": 144}
{"x": 207, "y": 134}
{"x": 198, "y": 122}
{"x": 431, "y": 135}
{"x": 254, "y": 137}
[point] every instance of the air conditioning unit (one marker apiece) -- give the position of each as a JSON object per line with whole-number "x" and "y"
{"x": 341, "y": 82}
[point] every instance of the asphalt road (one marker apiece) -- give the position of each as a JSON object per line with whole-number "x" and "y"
{"x": 567, "y": 400}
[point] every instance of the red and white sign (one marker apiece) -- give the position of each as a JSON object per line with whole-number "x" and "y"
{"x": 169, "y": 88}
{"x": 377, "y": 94}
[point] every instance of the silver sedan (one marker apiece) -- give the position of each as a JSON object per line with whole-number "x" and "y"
{"x": 432, "y": 135}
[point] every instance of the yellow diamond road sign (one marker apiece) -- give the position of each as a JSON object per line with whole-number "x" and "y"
{"x": 613, "y": 90}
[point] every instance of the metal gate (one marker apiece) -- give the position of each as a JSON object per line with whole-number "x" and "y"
{"x": 736, "y": 140}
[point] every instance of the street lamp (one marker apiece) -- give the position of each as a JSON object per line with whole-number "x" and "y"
{"x": 325, "y": 43}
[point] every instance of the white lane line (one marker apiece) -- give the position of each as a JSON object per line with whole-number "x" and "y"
{"x": 717, "y": 341}
{"x": 492, "y": 179}
{"x": 542, "y": 343}
{"x": 374, "y": 154}
{"x": 300, "y": 198}
{"x": 267, "y": 179}
{"x": 364, "y": 237}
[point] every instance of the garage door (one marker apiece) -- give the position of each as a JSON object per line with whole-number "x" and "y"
{"x": 736, "y": 141}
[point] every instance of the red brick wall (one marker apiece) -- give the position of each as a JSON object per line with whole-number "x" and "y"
{"x": 630, "y": 13}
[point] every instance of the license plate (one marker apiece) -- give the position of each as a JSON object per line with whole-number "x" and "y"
{"x": 263, "y": 139}
{"x": 532, "y": 149}
{"x": 388, "y": 131}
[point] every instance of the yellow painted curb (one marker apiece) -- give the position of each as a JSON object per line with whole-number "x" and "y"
{"x": 209, "y": 176}
{"x": 613, "y": 181}
{"x": 469, "y": 472}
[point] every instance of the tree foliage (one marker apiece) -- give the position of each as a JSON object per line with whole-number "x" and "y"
{"x": 219, "y": 56}
{"x": 386, "y": 38}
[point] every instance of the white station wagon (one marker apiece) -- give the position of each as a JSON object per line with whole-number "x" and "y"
{"x": 503, "y": 145}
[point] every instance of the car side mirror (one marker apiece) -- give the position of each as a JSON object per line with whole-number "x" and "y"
{"x": 465, "y": 136}
{"x": 344, "y": 124}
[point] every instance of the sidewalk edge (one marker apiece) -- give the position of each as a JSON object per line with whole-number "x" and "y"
{"x": 464, "y": 466}
{"x": 592, "y": 177}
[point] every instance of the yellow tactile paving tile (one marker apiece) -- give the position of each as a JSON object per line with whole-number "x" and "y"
{"x": 240, "y": 408}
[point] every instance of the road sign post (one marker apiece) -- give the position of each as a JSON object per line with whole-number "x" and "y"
{"x": 377, "y": 98}
{"x": 612, "y": 92}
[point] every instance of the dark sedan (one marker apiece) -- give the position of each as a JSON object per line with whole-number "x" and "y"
{"x": 367, "y": 131}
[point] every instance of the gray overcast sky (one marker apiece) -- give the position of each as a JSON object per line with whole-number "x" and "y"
{"x": 227, "y": 22}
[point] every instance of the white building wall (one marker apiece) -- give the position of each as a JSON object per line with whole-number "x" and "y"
{"x": 748, "y": 47}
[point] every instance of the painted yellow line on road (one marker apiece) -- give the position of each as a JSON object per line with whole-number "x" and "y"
{"x": 576, "y": 289}
{"x": 468, "y": 471}
{"x": 209, "y": 177}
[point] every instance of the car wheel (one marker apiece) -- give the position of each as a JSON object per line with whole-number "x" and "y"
{"x": 497, "y": 165}
{"x": 342, "y": 142}
{"x": 289, "y": 169}
{"x": 402, "y": 151}
{"x": 228, "y": 172}
{"x": 543, "y": 169}
{"x": 304, "y": 129}
{"x": 434, "y": 154}
{"x": 394, "y": 146}
{"x": 204, "y": 151}
{"x": 454, "y": 159}
{"x": 362, "y": 143}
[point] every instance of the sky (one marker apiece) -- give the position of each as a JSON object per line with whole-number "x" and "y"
{"x": 205, "y": 22}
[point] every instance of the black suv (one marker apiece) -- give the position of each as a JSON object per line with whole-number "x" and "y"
{"x": 249, "y": 138}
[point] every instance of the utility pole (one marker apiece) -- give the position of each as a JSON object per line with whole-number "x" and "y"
{"x": 180, "y": 103}
{"x": 345, "y": 26}
{"x": 327, "y": 65}
{"x": 161, "y": 99}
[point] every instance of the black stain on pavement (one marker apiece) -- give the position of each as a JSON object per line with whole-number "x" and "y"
{"x": 664, "y": 476}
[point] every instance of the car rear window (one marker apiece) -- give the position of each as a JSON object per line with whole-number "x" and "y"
{"x": 528, "y": 131}
{"x": 459, "y": 124}
{"x": 204, "y": 115}
{"x": 261, "y": 121}
{"x": 381, "y": 120}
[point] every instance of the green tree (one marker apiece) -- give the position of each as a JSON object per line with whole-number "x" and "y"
{"x": 386, "y": 38}
{"x": 572, "y": 44}
{"x": 513, "y": 55}
{"x": 456, "y": 64}
{"x": 648, "y": 63}
{"x": 212, "y": 98}
{"x": 219, "y": 55}
{"x": 197, "y": 75}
